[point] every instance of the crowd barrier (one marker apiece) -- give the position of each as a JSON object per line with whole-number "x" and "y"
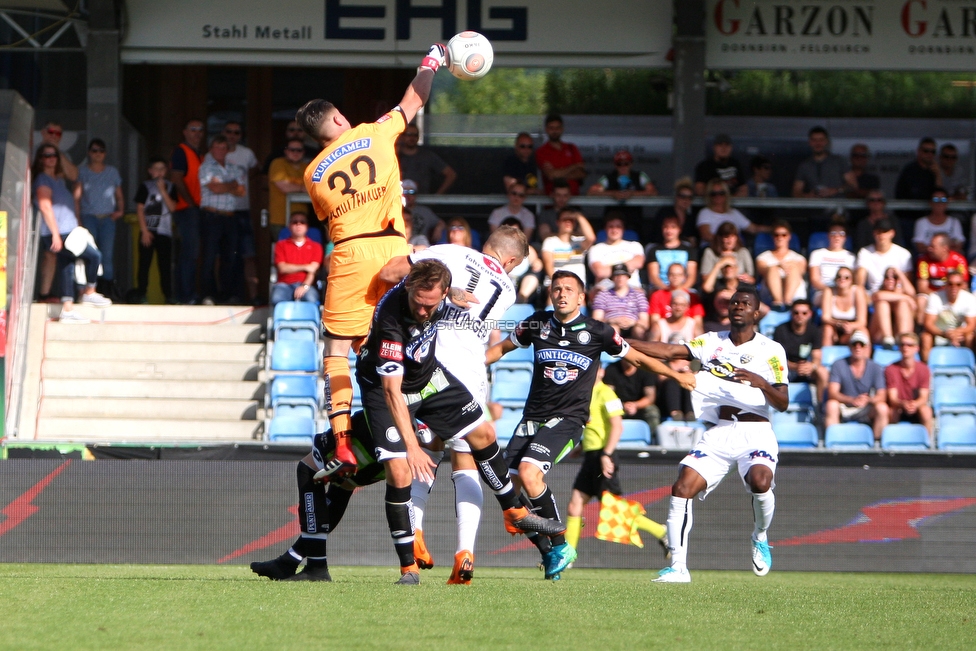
{"x": 491, "y": 201}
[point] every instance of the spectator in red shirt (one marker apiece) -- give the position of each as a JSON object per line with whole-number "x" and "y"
{"x": 298, "y": 260}
{"x": 908, "y": 385}
{"x": 558, "y": 159}
{"x": 932, "y": 269}
{"x": 660, "y": 303}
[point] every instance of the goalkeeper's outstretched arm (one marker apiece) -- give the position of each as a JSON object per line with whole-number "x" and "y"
{"x": 418, "y": 92}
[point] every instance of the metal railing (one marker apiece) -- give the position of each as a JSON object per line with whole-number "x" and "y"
{"x": 492, "y": 201}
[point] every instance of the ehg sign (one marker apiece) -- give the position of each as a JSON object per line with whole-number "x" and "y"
{"x": 536, "y": 33}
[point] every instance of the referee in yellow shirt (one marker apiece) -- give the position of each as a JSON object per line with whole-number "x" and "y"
{"x": 598, "y": 473}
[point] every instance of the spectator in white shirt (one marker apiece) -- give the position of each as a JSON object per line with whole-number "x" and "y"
{"x": 938, "y": 221}
{"x": 718, "y": 209}
{"x": 616, "y": 250}
{"x": 514, "y": 208}
{"x": 950, "y": 315}
{"x": 824, "y": 263}
{"x": 883, "y": 269}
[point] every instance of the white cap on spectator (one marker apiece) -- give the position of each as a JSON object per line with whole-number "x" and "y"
{"x": 859, "y": 336}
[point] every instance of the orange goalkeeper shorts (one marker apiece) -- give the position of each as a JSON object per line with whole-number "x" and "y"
{"x": 353, "y": 289}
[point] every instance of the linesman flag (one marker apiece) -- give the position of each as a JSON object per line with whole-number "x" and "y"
{"x": 619, "y": 519}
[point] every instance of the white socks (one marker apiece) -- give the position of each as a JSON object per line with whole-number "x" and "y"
{"x": 468, "y": 500}
{"x": 763, "y": 505}
{"x": 679, "y": 526}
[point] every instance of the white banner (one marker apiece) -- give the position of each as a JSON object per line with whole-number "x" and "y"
{"x": 524, "y": 33}
{"x": 842, "y": 34}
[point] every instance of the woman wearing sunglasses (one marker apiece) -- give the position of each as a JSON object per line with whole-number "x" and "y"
{"x": 845, "y": 309}
{"x": 938, "y": 221}
{"x": 58, "y": 208}
{"x": 102, "y": 205}
{"x": 718, "y": 209}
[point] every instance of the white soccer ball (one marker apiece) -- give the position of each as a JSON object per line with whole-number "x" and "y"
{"x": 469, "y": 55}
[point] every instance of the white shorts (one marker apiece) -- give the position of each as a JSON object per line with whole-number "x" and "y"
{"x": 746, "y": 444}
{"x": 475, "y": 380}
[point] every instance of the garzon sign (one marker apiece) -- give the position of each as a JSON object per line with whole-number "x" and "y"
{"x": 394, "y": 32}
{"x": 865, "y": 34}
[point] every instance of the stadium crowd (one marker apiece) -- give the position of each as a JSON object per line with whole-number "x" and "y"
{"x": 872, "y": 278}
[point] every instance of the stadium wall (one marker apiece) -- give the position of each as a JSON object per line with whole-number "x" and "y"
{"x": 828, "y": 518}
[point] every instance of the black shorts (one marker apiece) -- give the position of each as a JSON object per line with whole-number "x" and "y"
{"x": 542, "y": 444}
{"x": 448, "y": 409}
{"x": 590, "y": 480}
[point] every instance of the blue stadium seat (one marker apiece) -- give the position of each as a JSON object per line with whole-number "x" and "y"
{"x": 294, "y": 391}
{"x": 314, "y": 234}
{"x": 849, "y": 436}
{"x": 948, "y": 382}
{"x": 802, "y": 407}
{"x": 606, "y": 359}
{"x": 957, "y": 438}
{"x": 291, "y": 429}
{"x": 818, "y": 240}
{"x": 960, "y": 400}
{"x": 505, "y": 426}
{"x": 357, "y": 394}
{"x": 636, "y": 435}
{"x": 510, "y": 386}
{"x": 769, "y": 322}
{"x": 629, "y": 235}
{"x": 951, "y": 420}
{"x": 294, "y": 356}
{"x": 797, "y": 435}
{"x": 830, "y": 354}
{"x": 296, "y": 320}
{"x": 522, "y": 355}
{"x": 884, "y": 357}
{"x": 821, "y": 240}
{"x": 291, "y": 410}
{"x": 516, "y": 313}
{"x": 949, "y": 360}
{"x": 764, "y": 242}
{"x": 904, "y": 436}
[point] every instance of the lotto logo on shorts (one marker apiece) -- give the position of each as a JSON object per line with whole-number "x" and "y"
{"x": 391, "y": 350}
{"x": 698, "y": 454}
{"x": 756, "y": 454}
{"x": 560, "y": 374}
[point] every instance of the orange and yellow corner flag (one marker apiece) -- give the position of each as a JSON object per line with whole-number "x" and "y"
{"x": 618, "y": 520}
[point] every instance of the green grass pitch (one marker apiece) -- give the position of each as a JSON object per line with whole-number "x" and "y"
{"x": 123, "y": 607}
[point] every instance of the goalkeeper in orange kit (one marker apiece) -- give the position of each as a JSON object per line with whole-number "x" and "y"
{"x": 354, "y": 184}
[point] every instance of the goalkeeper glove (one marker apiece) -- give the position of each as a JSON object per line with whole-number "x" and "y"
{"x": 436, "y": 57}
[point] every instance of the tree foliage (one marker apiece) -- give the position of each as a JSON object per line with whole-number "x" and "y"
{"x": 505, "y": 91}
{"x": 789, "y": 93}
{"x": 844, "y": 93}
{"x": 608, "y": 91}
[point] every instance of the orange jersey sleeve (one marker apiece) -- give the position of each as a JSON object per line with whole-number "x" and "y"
{"x": 355, "y": 182}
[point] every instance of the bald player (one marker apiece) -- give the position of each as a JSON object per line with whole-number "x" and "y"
{"x": 354, "y": 184}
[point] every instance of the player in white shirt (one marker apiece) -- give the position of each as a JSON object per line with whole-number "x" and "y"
{"x": 743, "y": 374}
{"x": 462, "y": 338}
